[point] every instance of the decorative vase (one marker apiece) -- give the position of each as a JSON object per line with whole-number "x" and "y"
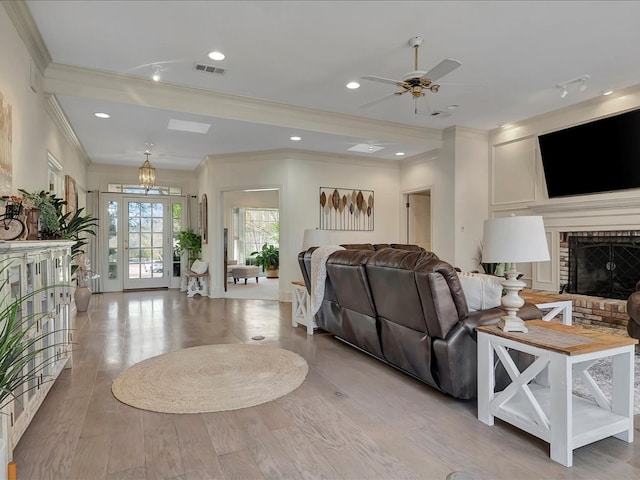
{"x": 82, "y": 297}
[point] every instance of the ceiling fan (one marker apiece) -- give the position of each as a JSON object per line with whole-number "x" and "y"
{"x": 418, "y": 82}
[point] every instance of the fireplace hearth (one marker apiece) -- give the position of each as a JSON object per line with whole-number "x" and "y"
{"x": 603, "y": 266}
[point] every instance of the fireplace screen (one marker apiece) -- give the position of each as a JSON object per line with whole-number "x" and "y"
{"x": 604, "y": 266}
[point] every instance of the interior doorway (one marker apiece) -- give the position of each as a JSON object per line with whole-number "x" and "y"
{"x": 418, "y": 220}
{"x": 251, "y": 218}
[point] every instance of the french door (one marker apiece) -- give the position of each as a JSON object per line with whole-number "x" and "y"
{"x": 147, "y": 243}
{"x": 139, "y": 236}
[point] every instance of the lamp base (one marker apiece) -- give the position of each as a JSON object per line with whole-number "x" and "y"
{"x": 512, "y": 324}
{"x": 512, "y": 302}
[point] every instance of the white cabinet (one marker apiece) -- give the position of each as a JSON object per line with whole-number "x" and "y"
{"x": 42, "y": 269}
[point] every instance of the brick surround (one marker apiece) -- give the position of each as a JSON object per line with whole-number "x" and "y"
{"x": 592, "y": 311}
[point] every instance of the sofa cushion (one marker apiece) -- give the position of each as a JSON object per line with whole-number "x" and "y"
{"x": 482, "y": 291}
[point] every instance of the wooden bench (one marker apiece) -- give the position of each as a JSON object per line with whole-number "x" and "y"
{"x": 197, "y": 283}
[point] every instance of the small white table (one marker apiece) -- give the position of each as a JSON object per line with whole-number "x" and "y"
{"x": 540, "y": 399}
{"x": 301, "y": 307}
{"x": 551, "y": 306}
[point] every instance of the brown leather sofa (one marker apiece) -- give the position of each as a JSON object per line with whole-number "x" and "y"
{"x": 407, "y": 308}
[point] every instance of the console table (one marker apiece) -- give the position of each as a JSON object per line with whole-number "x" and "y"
{"x": 540, "y": 399}
{"x": 36, "y": 276}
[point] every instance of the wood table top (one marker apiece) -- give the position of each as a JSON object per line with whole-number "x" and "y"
{"x": 565, "y": 339}
{"x": 538, "y": 297}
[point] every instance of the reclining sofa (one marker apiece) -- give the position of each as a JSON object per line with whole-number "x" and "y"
{"x": 406, "y": 307}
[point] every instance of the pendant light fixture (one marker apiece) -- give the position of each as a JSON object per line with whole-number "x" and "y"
{"x": 147, "y": 174}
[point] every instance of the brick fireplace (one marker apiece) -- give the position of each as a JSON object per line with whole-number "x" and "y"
{"x": 591, "y": 308}
{"x": 600, "y": 263}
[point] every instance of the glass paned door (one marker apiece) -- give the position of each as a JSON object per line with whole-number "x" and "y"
{"x": 148, "y": 248}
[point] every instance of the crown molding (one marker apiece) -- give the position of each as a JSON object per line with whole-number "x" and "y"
{"x": 301, "y": 155}
{"x": 60, "y": 120}
{"x": 91, "y": 83}
{"x": 20, "y": 16}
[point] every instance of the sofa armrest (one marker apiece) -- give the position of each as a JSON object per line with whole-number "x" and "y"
{"x": 492, "y": 316}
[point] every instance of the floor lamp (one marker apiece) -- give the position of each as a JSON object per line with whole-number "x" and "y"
{"x": 511, "y": 240}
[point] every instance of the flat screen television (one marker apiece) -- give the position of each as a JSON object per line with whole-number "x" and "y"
{"x": 595, "y": 157}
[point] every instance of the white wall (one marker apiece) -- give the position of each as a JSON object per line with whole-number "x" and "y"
{"x": 471, "y": 193}
{"x": 298, "y": 176}
{"x": 34, "y": 130}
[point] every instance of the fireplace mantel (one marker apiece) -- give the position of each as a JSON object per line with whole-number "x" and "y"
{"x": 584, "y": 214}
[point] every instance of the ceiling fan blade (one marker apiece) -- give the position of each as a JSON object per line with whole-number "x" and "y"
{"x": 380, "y": 99}
{"x": 398, "y": 83}
{"x": 445, "y": 67}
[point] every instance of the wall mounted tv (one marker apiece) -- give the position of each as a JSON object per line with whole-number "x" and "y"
{"x": 595, "y": 157}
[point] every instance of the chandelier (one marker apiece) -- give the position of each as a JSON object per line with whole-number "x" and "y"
{"x": 147, "y": 175}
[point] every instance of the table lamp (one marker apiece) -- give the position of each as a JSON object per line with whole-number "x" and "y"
{"x": 314, "y": 238}
{"x": 511, "y": 240}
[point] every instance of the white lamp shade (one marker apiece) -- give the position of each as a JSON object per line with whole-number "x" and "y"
{"x": 314, "y": 238}
{"x": 514, "y": 240}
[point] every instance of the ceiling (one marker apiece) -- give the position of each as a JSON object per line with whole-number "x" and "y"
{"x": 303, "y": 53}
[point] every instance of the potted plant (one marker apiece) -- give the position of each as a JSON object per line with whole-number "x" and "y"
{"x": 190, "y": 242}
{"x": 269, "y": 259}
{"x": 57, "y": 225}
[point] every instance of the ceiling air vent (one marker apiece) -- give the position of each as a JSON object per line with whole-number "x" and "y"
{"x": 201, "y": 67}
{"x": 440, "y": 114}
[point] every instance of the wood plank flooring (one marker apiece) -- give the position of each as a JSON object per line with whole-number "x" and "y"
{"x": 352, "y": 418}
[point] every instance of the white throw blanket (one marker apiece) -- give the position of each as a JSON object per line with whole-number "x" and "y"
{"x": 319, "y": 274}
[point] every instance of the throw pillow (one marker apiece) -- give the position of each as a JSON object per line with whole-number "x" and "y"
{"x": 481, "y": 290}
{"x": 199, "y": 267}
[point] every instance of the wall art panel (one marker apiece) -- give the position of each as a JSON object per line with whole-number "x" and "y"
{"x": 346, "y": 209}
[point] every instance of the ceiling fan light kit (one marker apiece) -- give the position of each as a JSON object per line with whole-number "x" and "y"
{"x": 416, "y": 82}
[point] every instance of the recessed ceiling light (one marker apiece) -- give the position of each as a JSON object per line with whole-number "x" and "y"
{"x": 353, "y": 85}
{"x": 101, "y": 115}
{"x": 607, "y": 92}
{"x": 400, "y": 154}
{"x": 295, "y": 139}
{"x": 452, "y": 107}
{"x": 215, "y": 55}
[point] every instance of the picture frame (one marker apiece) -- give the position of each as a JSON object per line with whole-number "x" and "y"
{"x": 205, "y": 219}
{"x": 70, "y": 195}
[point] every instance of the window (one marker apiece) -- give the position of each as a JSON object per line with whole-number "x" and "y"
{"x": 261, "y": 226}
{"x": 137, "y": 189}
{"x": 252, "y": 228}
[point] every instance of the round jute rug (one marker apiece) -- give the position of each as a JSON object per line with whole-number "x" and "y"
{"x": 210, "y": 378}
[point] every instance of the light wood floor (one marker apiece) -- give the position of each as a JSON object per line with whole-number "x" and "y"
{"x": 352, "y": 418}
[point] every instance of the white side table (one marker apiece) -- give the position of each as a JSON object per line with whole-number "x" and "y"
{"x": 548, "y": 409}
{"x": 301, "y": 307}
{"x": 551, "y": 309}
